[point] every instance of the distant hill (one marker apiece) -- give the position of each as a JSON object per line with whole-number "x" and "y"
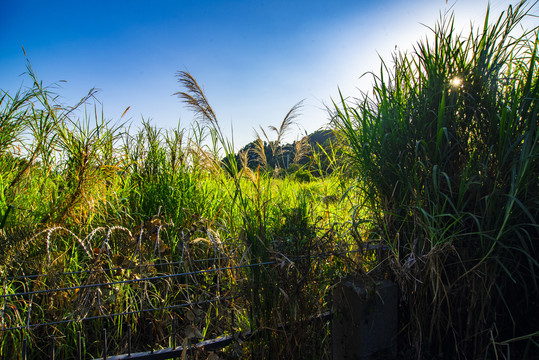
{"x": 271, "y": 156}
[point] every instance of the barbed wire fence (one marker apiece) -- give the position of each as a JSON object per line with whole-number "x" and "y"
{"x": 173, "y": 328}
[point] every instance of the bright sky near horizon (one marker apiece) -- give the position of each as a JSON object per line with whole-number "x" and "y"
{"x": 254, "y": 59}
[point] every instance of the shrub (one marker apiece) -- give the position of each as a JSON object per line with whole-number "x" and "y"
{"x": 447, "y": 152}
{"x": 302, "y": 176}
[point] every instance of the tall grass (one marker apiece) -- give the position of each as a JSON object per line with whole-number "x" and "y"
{"x": 270, "y": 229}
{"x": 82, "y": 195}
{"x": 446, "y": 150}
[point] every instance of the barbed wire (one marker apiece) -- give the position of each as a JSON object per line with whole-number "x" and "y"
{"x": 98, "y": 317}
{"x": 92, "y": 271}
{"x": 167, "y": 276}
{"x": 129, "y": 281}
{"x": 280, "y": 261}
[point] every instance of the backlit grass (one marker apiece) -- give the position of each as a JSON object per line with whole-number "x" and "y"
{"x": 87, "y": 201}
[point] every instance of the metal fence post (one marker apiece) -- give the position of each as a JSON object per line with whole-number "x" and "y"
{"x": 151, "y": 336}
{"x": 173, "y": 332}
{"x": 129, "y": 339}
{"x": 104, "y": 344}
{"x": 51, "y": 355}
{"x": 79, "y": 345}
{"x": 24, "y": 350}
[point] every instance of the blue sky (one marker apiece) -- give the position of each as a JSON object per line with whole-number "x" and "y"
{"x": 255, "y": 59}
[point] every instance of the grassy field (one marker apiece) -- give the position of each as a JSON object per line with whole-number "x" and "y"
{"x": 440, "y": 164}
{"x": 86, "y": 201}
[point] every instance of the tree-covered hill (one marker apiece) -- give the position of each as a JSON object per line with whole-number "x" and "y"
{"x": 309, "y": 152}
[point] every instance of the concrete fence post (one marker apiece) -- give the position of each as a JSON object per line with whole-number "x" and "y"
{"x": 365, "y": 322}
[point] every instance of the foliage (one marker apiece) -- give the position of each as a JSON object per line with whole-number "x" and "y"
{"x": 315, "y": 153}
{"x": 84, "y": 200}
{"x": 446, "y": 152}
